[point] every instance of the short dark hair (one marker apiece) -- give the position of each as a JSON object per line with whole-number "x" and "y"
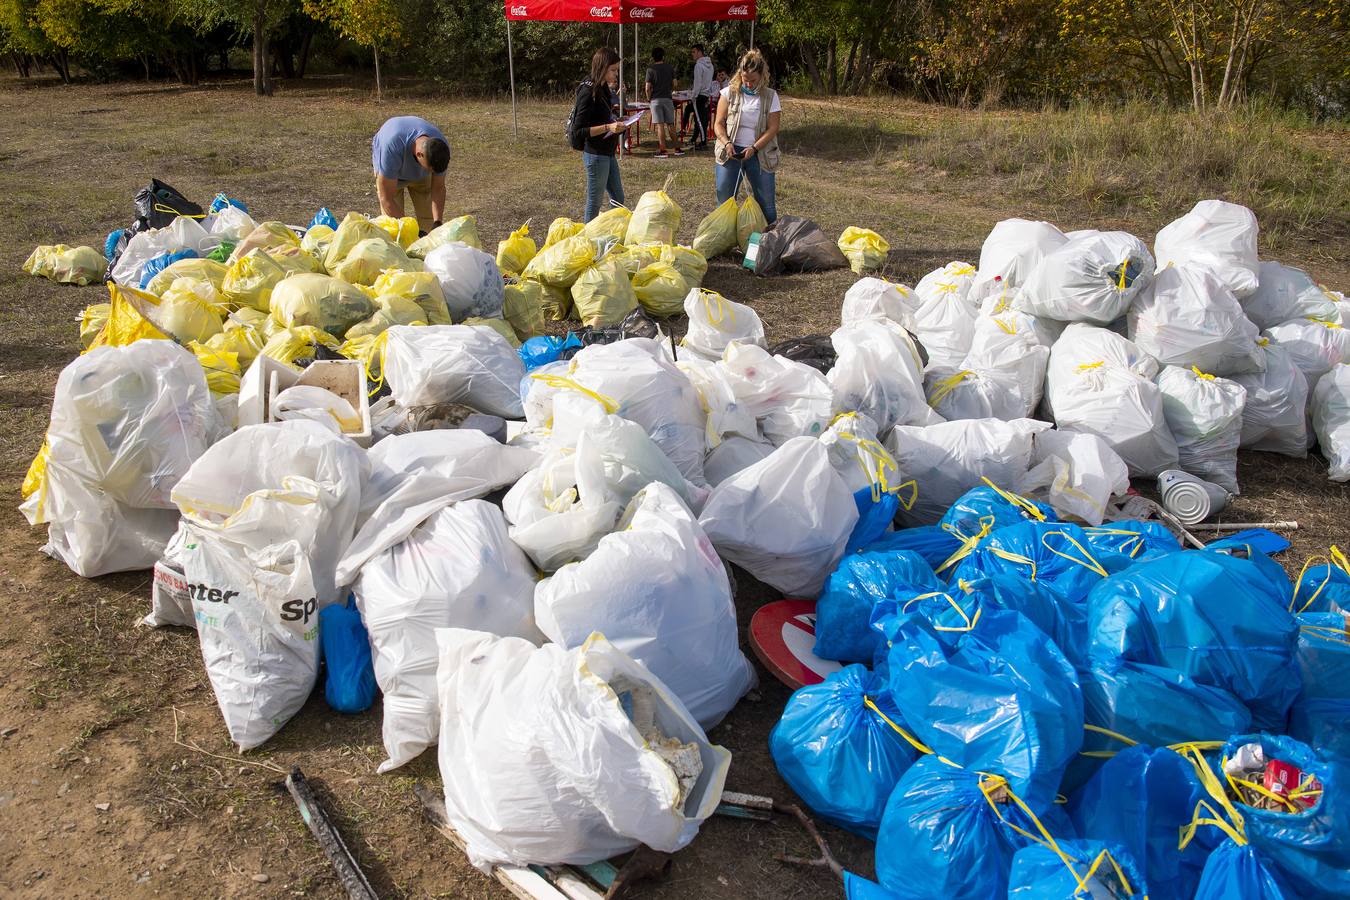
{"x": 438, "y": 155}
{"x": 698, "y": 47}
{"x": 658, "y": 54}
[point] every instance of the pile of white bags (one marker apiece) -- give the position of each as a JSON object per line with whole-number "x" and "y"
{"x": 787, "y": 398}
{"x": 1204, "y": 414}
{"x": 1012, "y": 250}
{"x": 879, "y": 373}
{"x": 657, "y": 590}
{"x": 875, "y": 299}
{"x": 950, "y": 458}
{"x": 126, "y": 424}
{"x": 457, "y": 569}
{"x": 1331, "y": 420}
{"x": 1218, "y": 236}
{"x": 470, "y": 280}
{"x": 1275, "y": 416}
{"x": 1100, "y": 383}
{"x": 184, "y": 233}
{"x": 1093, "y": 278}
{"x": 785, "y": 519}
{"x": 543, "y": 764}
{"x": 1316, "y": 347}
{"x": 427, "y": 365}
{"x": 1287, "y": 293}
{"x": 1077, "y": 474}
{"x": 715, "y": 321}
{"x": 1191, "y": 318}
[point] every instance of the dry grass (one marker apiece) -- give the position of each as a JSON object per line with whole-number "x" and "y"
{"x": 96, "y": 699}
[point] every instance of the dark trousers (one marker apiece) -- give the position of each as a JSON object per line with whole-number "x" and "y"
{"x": 702, "y": 120}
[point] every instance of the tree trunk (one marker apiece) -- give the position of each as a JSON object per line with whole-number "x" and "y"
{"x": 61, "y": 63}
{"x": 304, "y": 52}
{"x": 848, "y": 67}
{"x": 379, "y": 90}
{"x": 22, "y": 64}
{"x": 262, "y": 59}
{"x": 812, "y": 68}
{"x": 831, "y": 63}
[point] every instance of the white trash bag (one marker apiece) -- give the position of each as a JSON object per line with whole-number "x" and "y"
{"x": 1316, "y": 346}
{"x": 658, "y": 591}
{"x": 857, "y": 454}
{"x": 872, "y": 299}
{"x": 1015, "y": 342}
{"x": 1219, "y": 236}
{"x": 1204, "y": 414}
{"x": 552, "y": 520}
{"x": 1191, "y": 318}
{"x": 470, "y": 280}
{"x": 1094, "y": 278}
{"x": 1013, "y": 248}
{"x": 126, "y": 425}
{"x": 1287, "y": 293}
{"x": 727, "y": 417}
{"x": 1077, "y": 474}
{"x": 878, "y": 372}
{"x": 1275, "y": 417}
{"x": 731, "y": 456}
{"x": 458, "y": 569}
{"x": 950, "y": 458}
{"x": 787, "y": 398}
{"x": 984, "y": 393}
{"x": 786, "y": 519}
{"x": 945, "y": 325}
{"x": 427, "y": 365}
{"x": 715, "y": 321}
{"x": 1331, "y": 421}
{"x": 952, "y": 280}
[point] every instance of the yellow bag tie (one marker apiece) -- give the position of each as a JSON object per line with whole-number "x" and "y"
{"x": 913, "y": 495}
{"x": 1198, "y": 374}
{"x": 946, "y": 385}
{"x": 1135, "y": 540}
{"x": 1008, "y": 327}
{"x": 1029, "y": 509}
{"x": 1015, "y": 558}
{"x": 1114, "y": 735}
{"x": 1263, "y": 342}
{"x": 968, "y": 543}
{"x": 724, "y": 309}
{"x": 1092, "y": 365}
{"x": 1091, "y": 563}
{"x": 1120, "y": 285}
{"x": 970, "y": 621}
{"x": 160, "y": 207}
{"x": 1327, "y": 633}
{"x": 869, "y": 451}
{"x": 376, "y": 350}
{"x": 963, "y": 270}
{"x": 563, "y": 383}
{"x": 946, "y": 287}
{"x": 1235, "y": 826}
{"x": 1298, "y": 586}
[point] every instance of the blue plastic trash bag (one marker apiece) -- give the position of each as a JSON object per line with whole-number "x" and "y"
{"x": 1140, "y": 799}
{"x": 840, "y": 756}
{"x": 876, "y": 512}
{"x": 1087, "y": 869}
{"x": 222, "y": 200}
{"x": 857, "y": 887}
{"x": 544, "y": 349}
{"x": 929, "y": 541}
{"x": 995, "y": 696}
{"x": 1235, "y": 872}
{"x": 110, "y": 243}
{"x": 986, "y": 509}
{"x": 1320, "y": 717}
{"x": 350, "y": 686}
{"x": 1263, "y": 539}
{"x": 160, "y": 263}
{"x": 323, "y": 217}
{"x": 1053, "y": 554}
{"x": 1308, "y": 849}
{"x": 844, "y": 610}
{"x": 1135, "y": 540}
{"x": 941, "y": 838}
{"x": 1269, "y": 569}
{"x": 1213, "y": 617}
{"x": 1324, "y": 587}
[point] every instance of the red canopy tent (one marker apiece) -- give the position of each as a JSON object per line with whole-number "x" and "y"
{"x": 618, "y": 12}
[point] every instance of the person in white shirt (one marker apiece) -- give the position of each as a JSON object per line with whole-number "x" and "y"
{"x": 704, "y": 90}
{"x": 746, "y": 126}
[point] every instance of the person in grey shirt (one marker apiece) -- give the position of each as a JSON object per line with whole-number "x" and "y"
{"x": 660, "y": 88}
{"x": 704, "y": 90}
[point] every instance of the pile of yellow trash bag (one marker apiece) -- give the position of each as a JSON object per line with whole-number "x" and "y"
{"x": 66, "y": 265}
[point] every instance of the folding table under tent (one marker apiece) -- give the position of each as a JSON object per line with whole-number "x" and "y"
{"x": 618, "y": 12}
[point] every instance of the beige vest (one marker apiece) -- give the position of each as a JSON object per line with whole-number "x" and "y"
{"x": 770, "y": 155}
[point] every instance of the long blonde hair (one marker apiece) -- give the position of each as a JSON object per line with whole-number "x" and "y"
{"x": 751, "y": 61}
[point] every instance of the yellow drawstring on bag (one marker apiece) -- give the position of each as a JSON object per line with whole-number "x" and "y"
{"x": 563, "y": 383}
{"x": 946, "y": 385}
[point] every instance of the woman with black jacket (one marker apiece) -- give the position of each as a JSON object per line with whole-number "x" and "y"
{"x": 593, "y": 120}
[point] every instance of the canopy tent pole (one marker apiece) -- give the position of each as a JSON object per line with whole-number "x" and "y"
{"x": 635, "y": 59}
{"x": 622, "y": 108}
{"x": 511, "y": 64}
{"x": 752, "y": 34}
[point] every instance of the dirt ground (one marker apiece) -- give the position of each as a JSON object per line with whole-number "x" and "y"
{"x": 116, "y": 774}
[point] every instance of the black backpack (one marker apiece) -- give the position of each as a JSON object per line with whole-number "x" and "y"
{"x": 575, "y": 137}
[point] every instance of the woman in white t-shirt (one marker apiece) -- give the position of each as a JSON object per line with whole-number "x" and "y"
{"x": 746, "y": 125}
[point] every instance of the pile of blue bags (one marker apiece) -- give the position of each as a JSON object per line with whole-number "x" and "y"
{"x": 1035, "y": 709}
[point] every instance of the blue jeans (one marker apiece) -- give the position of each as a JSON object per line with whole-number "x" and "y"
{"x": 760, "y": 180}
{"x": 602, "y": 174}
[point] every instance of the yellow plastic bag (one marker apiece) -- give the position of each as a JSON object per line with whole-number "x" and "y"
{"x": 40, "y": 262}
{"x": 717, "y": 232}
{"x": 391, "y": 309}
{"x": 560, "y": 264}
{"x": 246, "y": 317}
{"x": 267, "y": 236}
{"x": 661, "y": 289}
{"x": 250, "y": 280}
{"x": 749, "y": 219}
{"x": 656, "y": 218}
{"x": 866, "y": 250}
{"x": 687, "y": 260}
{"x": 369, "y": 350}
{"x": 555, "y": 302}
{"x": 321, "y": 301}
{"x": 501, "y": 326}
{"x": 423, "y": 288}
{"x": 611, "y": 224}
{"x": 200, "y": 268}
{"x": 221, "y": 367}
{"x": 403, "y": 231}
{"x": 463, "y": 229}
{"x": 66, "y": 265}
{"x": 189, "y": 310}
{"x": 128, "y": 319}
{"x": 603, "y": 295}
{"x": 353, "y": 230}
{"x": 36, "y": 476}
{"x": 368, "y": 259}
{"x": 294, "y": 260}
{"x": 92, "y": 320}
{"x": 244, "y": 343}
{"x": 560, "y": 229}
{"x": 635, "y": 259}
{"x": 524, "y": 308}
{"x": 291, "y": 344}
{"x": 316, "y": 242}
{"x": 515, "y": 253}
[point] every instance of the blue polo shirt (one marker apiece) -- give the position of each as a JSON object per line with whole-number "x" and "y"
{"x": 391, "y": 150}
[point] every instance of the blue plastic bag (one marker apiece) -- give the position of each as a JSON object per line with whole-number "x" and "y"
{"x": 1135, "y": 540}
{"x": 1039, "y": 873}
{"x": 350, "y": 686}
{"x": 941, "y": 838}
{"x": 1053, "y": 554}
{"x": 222, "y": 200}
{"x": 160, "y": 263}
{"x": 996, "y": 696}
{"x": 986, "y": 509}
{"x": 110, "y": 243}
{"x": 1323, "y": 588}
{"x": 1140, "y": 799}
{"x": 1213, "y": 617}
{"x": 929, "y": 541}
{"x": 1235, "y": 872}
{"x": 839, "y": 755}
{"x": 876, "y": 512}
{"x": 323, "y": 217}
{"x": 1320, "y": 716}
{"x": 857, "y": 887}
{"x": 844, "y": 610}
{"x": 1268, "y": 568}
{"x": 544, "y": 349}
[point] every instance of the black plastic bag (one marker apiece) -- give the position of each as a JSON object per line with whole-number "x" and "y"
{"x": 637, "y": 324}
{"x": 813, "y": 349}
{"x": 158, "y": 204}
{"x": 796, "y": 244}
